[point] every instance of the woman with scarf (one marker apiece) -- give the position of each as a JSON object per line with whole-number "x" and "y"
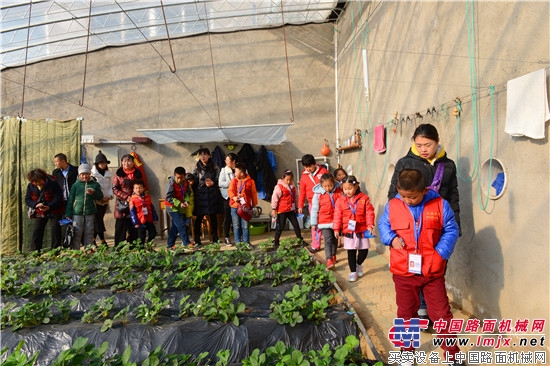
{"x": 123, "y": 186}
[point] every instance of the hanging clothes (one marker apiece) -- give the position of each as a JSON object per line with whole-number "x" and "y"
{"x": 527, "y": 105}
{"x": 218, "y": 157}
{"x": 266, "y": 166}
{"x": 379, "y": 145}
{"x": 247, "y": 156}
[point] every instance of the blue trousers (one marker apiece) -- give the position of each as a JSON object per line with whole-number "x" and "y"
{"x": 179, "y": 226}
{"x": 240, "y": 228}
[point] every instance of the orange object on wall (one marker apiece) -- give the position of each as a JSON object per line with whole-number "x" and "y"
{"x": 325, "y": 150}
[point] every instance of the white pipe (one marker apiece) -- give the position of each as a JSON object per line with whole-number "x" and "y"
{"x": 336, "y": 95}
{"x": 365, "y": 75}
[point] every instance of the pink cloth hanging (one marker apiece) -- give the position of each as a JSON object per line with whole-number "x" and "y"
{"x": 379, "y": 139}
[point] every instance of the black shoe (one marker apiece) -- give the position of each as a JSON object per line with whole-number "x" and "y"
{"x": 248, "y": 246}
{"x": 227, "y": 242}
{"x": 429, "y": 323}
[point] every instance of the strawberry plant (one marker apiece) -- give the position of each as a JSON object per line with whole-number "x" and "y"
{"x": 100, "y": 310}
{"x": 17, "y": 358}
{"x": 250, "y": 275}
{"x": 32, "y": 314}
{"x": 318, "y": 277}
{"x": 289, "y": 310}
{"x": 53, "y": 282}
{"x": 149, "y": 313}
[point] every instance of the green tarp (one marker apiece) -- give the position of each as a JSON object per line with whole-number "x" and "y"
{"x": 27, "y": 144}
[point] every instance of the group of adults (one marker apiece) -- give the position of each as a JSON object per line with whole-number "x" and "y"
{"x": 47, "y": 196}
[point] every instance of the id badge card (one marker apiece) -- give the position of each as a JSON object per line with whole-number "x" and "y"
{"x": 415, "y": 263}
{"x": 351, "y": 225}
{"x": 242, "y": 200}
{"x": 293, "y": 206}
{"x": 144, "y": 210}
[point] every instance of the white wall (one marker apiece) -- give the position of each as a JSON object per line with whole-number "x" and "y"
{"x": 418, "y": 57}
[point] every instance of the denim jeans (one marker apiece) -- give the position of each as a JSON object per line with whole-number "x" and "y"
{"x": 83, "y": 230}
{"x": 179, "y": 226}
{"x": 240, "y": 228}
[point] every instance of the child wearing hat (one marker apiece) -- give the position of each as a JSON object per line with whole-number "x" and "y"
{"x": 81, "y": 206}
{"x": 102, "y": 175}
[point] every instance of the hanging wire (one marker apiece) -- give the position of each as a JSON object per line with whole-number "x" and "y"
{"x": 81, "y": 101}
{"x": 287, "y": 68}
{"x": 173, "y": 70}
{"x": 212, "y": 63}
{"x": 483, "y": 206}
{"x": 470, "y": 20}
{"x": 26, "y": 58}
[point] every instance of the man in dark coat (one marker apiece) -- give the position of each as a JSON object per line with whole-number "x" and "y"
{"x": 65, "y": 175}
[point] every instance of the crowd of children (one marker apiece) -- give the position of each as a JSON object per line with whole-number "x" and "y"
{"x": 418, "y": 224}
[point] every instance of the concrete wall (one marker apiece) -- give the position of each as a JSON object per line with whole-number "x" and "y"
{"x": 418, "y": 58}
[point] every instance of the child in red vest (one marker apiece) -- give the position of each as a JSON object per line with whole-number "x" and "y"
{"x": 354, "y": 217}
{"x": 326, "y": 193}
{"x": 283, "y": 206}
{"x": 310, "y": 177}
{"x": 242, "y": 191}
{"x": 142, "y": 213}
{"x": 421, "y": 229}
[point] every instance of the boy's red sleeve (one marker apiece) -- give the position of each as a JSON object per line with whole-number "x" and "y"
{"x": 231, "y": 190}
{"x": 303, "y": 188}
{"x": 254, "y": 193}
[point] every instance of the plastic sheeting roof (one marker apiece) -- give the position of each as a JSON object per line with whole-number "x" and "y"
{"x": 38, "y": 30}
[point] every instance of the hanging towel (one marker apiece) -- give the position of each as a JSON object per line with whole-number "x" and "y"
{"x": 379, "y": 139}
{"x": 527, "y": 105}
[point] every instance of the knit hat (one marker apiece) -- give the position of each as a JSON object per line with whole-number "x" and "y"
{"x": 84, "y": 168}
{"x": 100, "y": 157}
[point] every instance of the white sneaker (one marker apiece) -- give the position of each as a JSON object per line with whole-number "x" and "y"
{"x": 359, "y": 270}
{"x": 353, "y": 277}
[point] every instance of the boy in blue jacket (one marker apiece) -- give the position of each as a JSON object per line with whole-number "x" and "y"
{"x": 422, "y": 231}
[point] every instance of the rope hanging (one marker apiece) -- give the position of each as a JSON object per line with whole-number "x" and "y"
{"x": 483, "y": 206}
{"x": 287, "y": 68}
{"x": 473, "y": 88}
{"x": 173, "y": 70}
{"x": 212, "y": 63}
{"x": 26, "y": 58}
{"x": 81, "y": 101}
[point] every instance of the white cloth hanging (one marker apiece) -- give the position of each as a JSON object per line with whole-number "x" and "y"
{"x": 527, "y": 105}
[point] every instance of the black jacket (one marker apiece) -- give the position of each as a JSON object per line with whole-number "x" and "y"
{"x": 72, "y": 175}
{"x": 449, "y": 184}
{"x": 208, "y": 200}
{"x": 248, "y": 156}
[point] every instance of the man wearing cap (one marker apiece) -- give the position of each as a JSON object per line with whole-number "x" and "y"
{"x": 81, "y": 206}
{"x": 102, "y": 174}
{"x": 65, "y": 175}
